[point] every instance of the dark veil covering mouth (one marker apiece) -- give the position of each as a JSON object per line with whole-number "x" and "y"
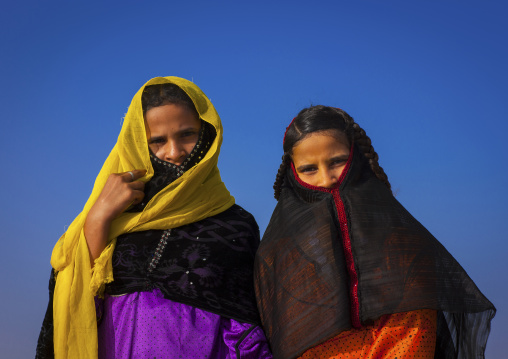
{"x": 335, "y": 259}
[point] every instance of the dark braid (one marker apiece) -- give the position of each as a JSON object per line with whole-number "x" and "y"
{"x": 322, "y": 118}
{"x": 365, "y": 145}
{"x": 359, "y": 136}
{"x": 277, "y": 186}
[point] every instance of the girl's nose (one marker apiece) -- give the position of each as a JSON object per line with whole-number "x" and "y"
{"x": 174, "y": 153}
{"x": 328, "y": 179}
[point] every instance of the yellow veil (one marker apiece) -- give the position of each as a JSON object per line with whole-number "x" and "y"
{"x": 198, "y": 194}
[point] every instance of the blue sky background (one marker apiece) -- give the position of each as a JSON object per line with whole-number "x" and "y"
{"x": 427, "y": 80}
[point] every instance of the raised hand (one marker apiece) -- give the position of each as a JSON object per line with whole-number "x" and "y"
{"x": 120, "y": 192}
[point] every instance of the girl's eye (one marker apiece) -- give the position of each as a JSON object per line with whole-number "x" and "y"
{"x": 337, "y": 162}
{"x": 307, "y": 169}
{"x": 157, "y": 141}
{"x": 188, "y": 133}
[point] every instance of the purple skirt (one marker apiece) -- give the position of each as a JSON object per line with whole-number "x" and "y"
{"x": 146, "y": 325}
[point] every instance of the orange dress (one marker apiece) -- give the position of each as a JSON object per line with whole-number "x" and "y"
{"x": 402, "y": 335}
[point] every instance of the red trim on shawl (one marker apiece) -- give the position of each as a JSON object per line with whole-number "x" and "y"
{"x": 348, "y": 253}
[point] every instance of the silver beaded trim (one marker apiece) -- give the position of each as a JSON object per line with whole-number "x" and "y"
{"x": 158, "y": 252}
{"x": 181, "y": 169}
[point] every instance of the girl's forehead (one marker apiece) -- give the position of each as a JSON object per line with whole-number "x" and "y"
{"x": 338, "y": 135}
{"x": 320, "y": 146}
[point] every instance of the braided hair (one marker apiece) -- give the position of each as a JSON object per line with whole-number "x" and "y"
{"x": 322, "y": 118}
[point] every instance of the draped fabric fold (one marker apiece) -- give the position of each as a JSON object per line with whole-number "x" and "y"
{"x": 199, "y": 193}
{"x": 334, "y": 259}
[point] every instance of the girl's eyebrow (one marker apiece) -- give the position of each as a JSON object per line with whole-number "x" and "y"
{"x": 188, "y": 128}
{"x": 340, "y": 157}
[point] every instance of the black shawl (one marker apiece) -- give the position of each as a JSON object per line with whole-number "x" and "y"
{"x": 207, "y": 264}
{"x": 334, "y": 259}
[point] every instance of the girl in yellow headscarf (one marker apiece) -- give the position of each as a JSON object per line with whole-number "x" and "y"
{"x": 159, "y": 262}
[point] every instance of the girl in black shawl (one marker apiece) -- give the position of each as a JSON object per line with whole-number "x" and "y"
{"x": 344, "y": 271}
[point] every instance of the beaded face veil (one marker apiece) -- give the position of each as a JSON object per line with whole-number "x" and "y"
{"x": 166, "y": 172}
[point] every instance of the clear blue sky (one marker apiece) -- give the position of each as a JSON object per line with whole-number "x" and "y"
{"x": 428, "y": 81}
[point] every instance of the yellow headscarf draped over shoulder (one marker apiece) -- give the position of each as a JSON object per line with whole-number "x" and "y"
{"x": 198, "y": 194}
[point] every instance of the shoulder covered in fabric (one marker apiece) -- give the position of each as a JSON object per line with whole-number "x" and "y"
{"x": 242, "y": 223}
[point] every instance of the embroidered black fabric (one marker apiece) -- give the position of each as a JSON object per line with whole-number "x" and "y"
{"x": 303, "y": 286}
{"x": 44, "y": 348}
{"x": 206, "y": 264}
